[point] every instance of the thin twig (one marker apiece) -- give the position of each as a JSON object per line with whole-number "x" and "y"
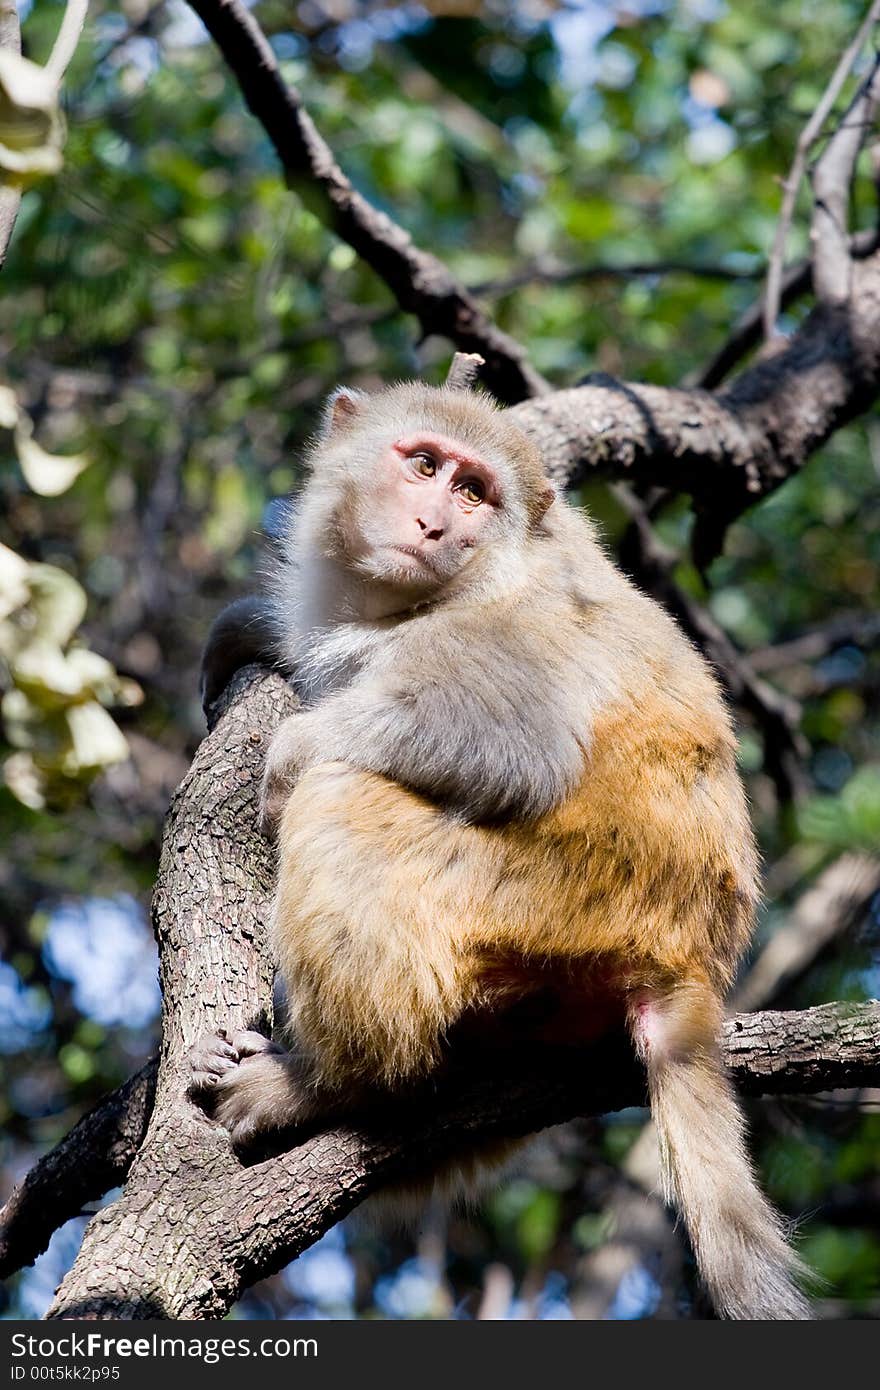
{"x": 422, "y": 284}
{"x": 797, "y": 280}
{"x": 550, "y": 273}
{"x": 806, "y": 140}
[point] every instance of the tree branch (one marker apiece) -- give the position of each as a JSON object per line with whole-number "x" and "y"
{"x": 746, "y": 333}
{"x": 95, "y": 1156}
{"x": 68, "y": 37}
{"x": 844, "y": 629}
{"x": 833, "y": 905}
{"x": 261, "y": 1217}
{"x": 806, "y": 140}
{"x": 730, "y": 448}
{"x": 421, "y": 283}
{"x": 832, "y": 182}
{"x": 726, "y": 449}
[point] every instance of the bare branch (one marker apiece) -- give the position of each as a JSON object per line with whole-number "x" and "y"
{"x": 68, "y": 37}
{"x": 806, "y": 140}
{"x": 731, "y": 448}
{"x": 95, "y": 1156}
{"x": 845, "y": 629}
{"x": 421, "y": 283}
{"x": 832, "y": 180}
{"x": 464, "y": 370}
{"x": 550, "y": 273}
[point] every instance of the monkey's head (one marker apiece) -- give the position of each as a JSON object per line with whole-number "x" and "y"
{"x": 410, "y": 484}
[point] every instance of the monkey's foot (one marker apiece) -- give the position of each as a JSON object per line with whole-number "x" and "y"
{"x": 250, "y": 1084}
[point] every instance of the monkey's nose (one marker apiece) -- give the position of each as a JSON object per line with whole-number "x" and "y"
{"x": 431, "y": 533}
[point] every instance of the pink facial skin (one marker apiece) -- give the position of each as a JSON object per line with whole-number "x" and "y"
{"x": 430, "y": 502}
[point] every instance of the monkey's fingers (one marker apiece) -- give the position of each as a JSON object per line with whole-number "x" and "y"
{"x": 211, "y": 1058}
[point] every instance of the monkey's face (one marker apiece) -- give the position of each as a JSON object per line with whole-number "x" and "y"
{"x": 430, "y": 503}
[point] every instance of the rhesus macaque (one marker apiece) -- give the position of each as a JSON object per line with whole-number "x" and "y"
{"x": 512, "y": 774}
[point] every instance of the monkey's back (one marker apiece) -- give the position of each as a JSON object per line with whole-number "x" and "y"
{"x": 644, "y": 874}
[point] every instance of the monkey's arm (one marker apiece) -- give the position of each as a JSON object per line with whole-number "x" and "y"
{"x": 245, "y": 631}
{"x": 492, "y": 739}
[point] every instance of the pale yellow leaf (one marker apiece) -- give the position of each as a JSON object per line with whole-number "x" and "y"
{"x": 58, "y": 601}
{"x": 8, "y": 409}
{"x": 96, "y": 741}
{"x": 13, "y": 581}
{"x": 43, "y": 672}
{"x": 24, "y": 780}
{"x": 31, "y": 130}
{"x": 48, "y": 474}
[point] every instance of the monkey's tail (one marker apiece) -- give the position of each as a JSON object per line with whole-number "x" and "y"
{"x": 739, "y": 1241}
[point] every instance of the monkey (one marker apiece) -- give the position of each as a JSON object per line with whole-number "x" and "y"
{"x": 511, "y": 774}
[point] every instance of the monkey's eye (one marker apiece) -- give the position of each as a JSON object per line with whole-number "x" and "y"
{"x": 424, "y": 465}
{"x": 472, "y": 490}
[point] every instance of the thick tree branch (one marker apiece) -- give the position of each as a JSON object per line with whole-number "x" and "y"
{"x": 421, "y": 283}
{"x": 726, "y": 449}
{"x": 731, "y": 448}
{"x": 260, "y": 1217}
{"x": 95, "y": 1156}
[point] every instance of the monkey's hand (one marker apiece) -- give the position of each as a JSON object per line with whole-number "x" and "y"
{"x": 250, "y": 1084}
{"x": 290, "y": 753}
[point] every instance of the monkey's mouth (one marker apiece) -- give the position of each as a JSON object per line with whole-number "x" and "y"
{"x": 413, "y": 553}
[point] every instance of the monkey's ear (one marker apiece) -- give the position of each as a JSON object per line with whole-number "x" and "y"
{"x": 342, "y": 409}
{"x": 541, "y": 503}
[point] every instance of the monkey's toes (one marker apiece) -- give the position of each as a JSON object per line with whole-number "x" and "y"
{"x": 260, "y": 1096}
{"x": 211, "y": 1058}
{"x": 247, "y": 1043}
